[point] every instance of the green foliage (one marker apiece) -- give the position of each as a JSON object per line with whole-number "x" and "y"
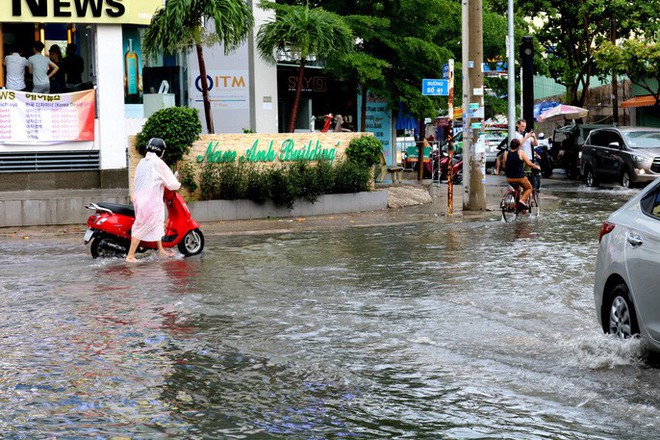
{"x": 638, "y": 60}
{"x": 187, "y": 176}
{"x": 350, "y": 177}
{"x": 365, "y": 151}
{"x": 179, "y": 127}
{"x": 180, "y": 25}
{"x": 282, "y": 185}
{"x": 256, "y": 187}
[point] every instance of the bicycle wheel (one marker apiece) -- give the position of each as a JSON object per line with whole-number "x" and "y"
{"x": 508, "y": 205}
{"x": 534, "y": 207}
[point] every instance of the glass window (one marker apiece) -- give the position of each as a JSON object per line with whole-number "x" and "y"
{"x": 643, "y": 139}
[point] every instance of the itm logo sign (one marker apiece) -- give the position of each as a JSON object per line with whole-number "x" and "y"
{"x": 68, "y": 8}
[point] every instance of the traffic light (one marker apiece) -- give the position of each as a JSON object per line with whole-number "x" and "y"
{"x": 527, "y": 62}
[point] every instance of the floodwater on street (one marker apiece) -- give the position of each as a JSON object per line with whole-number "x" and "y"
{"x": 471, "y": 328}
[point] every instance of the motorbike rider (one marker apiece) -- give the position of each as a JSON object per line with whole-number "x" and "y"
{"x": 152, "y": 175}
{"x": 514, "y": 161}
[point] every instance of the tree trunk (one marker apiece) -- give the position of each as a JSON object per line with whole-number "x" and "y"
{"x": 296, "y": 99}
{"x": 363, "y": 110}
{"x": 205, "y": 89}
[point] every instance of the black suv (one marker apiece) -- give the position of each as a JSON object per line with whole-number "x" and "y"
{"x": 628, "y": 155}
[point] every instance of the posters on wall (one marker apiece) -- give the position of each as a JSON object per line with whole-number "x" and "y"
{"x": 33, "y": 119}
{"x": 378, "y": 122}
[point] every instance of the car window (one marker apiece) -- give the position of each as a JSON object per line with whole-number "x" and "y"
{"x": 643, "y": 139}
{"x": 598, "y": 138}
{"x": 611, "y": 136}
{"x": 650, "y": 204}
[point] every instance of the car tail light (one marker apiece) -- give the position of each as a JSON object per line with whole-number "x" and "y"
{"x": 605, "y": 229}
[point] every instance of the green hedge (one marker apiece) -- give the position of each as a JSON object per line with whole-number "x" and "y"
{"x": 282, "y": 185}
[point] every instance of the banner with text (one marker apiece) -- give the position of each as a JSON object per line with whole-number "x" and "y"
{"x": 35, "y": 118}
{"x": 79, "y": 11}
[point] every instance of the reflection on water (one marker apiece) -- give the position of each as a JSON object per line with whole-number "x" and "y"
{"x": 474, "y": 329}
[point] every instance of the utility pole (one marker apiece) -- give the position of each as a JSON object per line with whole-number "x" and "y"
{"x": 511, "y": 67}
{"x": 477, "y": 199}
{"x": 615, "y": 82}
{"x": 467, "y": 132}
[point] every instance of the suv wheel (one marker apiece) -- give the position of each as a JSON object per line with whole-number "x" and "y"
{"x": 625, "y": 179}
{"x": 590, "y": 178}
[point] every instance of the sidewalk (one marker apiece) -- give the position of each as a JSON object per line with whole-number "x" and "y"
{"x": 433, "y": 211}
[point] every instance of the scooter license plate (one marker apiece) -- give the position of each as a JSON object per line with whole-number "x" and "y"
{"x": 88, "y": 235}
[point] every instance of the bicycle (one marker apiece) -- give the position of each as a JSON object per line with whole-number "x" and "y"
{"x": 510, "y": 207}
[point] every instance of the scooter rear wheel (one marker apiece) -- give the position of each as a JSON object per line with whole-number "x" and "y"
{"x": 192, "y": 243}
{"x": 106, "y": 247}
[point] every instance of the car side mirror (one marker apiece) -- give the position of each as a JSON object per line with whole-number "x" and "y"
{"x": 613, "y": 145}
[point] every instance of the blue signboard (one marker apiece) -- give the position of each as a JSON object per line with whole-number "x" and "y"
{"x": 378, "y": 122}
{"x": 435, "y": 87}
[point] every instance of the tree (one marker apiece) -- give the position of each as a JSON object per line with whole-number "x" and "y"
{"x": 639, "y": 60}
{"x": 401, "y": 42}
{"x": 304, "y": 31}
{"x": 183, "y": 24}
{"x": 571, "y": 32}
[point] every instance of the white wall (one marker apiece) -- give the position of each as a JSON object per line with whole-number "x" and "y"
{"x": 237, "y": 105}
{"x": 111, "y": 133}
{"x": 263, "y": 81}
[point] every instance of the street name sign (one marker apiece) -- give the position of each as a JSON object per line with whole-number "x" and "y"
{"x": 435, "y": 87}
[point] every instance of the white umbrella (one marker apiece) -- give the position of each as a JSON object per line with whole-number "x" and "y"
{"x": 561, "y": 112}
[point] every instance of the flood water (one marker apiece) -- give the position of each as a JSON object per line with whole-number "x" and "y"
{"x": 444, "y": 329}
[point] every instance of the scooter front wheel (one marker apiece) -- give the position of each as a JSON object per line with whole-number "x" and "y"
{"x": 192, "y": 243}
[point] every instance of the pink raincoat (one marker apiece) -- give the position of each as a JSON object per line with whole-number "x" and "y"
{"x": 151, "y": 176}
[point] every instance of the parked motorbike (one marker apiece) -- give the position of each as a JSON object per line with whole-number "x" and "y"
{"x": 109, "y": 228}
{"x": 441, "y": 161}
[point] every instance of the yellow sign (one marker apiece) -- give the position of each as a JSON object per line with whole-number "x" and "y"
{"x": 80, "y": 11}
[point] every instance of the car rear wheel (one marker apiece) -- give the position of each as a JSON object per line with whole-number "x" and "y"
{"x": 621, "y": 318}
{"x": 590, "y": 178}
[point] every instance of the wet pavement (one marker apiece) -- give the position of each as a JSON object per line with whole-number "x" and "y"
{"x": 397, "y": 324}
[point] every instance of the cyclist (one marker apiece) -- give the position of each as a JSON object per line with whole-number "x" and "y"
{"x": 514, "y": 161}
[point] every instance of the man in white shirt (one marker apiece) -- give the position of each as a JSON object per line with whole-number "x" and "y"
{"x": 15, "y": 66}
{"x": 38, "y": 67}
{"x": 527, "y": 140}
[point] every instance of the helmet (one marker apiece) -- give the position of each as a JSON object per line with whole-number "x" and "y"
{"x": 156, "y": 145}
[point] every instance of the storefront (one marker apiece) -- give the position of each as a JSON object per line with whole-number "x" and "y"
{"x": 105, "y": 34}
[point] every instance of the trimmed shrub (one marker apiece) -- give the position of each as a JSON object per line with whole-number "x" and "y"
{"x": 365, "y": 151}
{"x": 187, "y": 176}
{"x": 351, "y": 177}
{"x": 257, "y": 188}
{"x": 282, "y": 188}
{"x": 179, "y": 127}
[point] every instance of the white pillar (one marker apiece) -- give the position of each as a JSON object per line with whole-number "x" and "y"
{"x": 110, "y": 92}
{"x": 263, "y": 80}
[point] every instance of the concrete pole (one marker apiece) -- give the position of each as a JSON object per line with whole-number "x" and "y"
{"x": 467, "y": 132}
{"x": 477, "y": 159}
{"x": 511, "y": 65}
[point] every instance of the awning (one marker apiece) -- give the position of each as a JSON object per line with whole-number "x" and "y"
{"x": 639, "y": 101}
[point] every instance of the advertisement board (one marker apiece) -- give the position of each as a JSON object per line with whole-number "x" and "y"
{"x": 42, "y": 119}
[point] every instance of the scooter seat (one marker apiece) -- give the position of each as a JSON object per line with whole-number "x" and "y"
{"x": 118, "y": 208}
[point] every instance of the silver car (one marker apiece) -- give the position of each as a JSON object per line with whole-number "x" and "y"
{"x": 627, "y": 283}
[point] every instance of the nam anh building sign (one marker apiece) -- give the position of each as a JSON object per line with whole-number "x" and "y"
{"x": 80, "y": 11}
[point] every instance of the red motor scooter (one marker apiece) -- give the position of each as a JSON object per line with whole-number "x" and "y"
{"x": 109, "y": 228}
